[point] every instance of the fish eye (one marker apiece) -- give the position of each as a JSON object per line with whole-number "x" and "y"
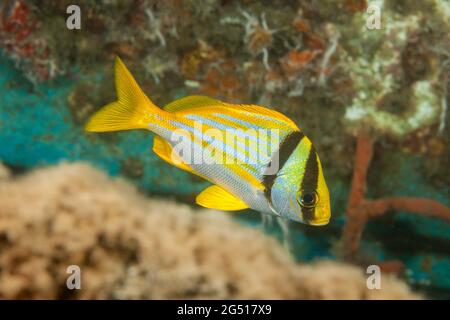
{"x": 308, "y": 199}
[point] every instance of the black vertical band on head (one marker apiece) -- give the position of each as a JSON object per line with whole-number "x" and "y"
{"x": 310, "y": 180}
{"x": 287, "y": 147}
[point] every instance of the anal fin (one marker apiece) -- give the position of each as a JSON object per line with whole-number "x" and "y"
{"x": 215, "y": 197}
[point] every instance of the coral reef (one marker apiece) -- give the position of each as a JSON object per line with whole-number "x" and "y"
{"x": 317, "y": 62}
{"x": 128, "y": 246}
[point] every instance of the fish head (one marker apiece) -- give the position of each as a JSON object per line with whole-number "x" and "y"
{"x": 300, "y": 192}
{"x": 313, "y": 205}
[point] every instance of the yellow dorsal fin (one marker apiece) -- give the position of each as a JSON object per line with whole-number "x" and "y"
{"x": 191, "y": 102}
{"x": 215, "y": 197}
{"x": 196, "y": 101}
{"x": 252, "y": 108}
{"x": 132, "y": 109}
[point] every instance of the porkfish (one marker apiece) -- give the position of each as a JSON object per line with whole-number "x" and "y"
{"x": 254, "y": 157}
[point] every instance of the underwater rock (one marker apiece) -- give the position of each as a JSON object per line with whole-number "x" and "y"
{"x": 130, "y": 246}
{"x": 19, "y": 39}
{"x": 379, "y": 63}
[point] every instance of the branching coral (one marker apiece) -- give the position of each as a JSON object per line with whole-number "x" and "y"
{"x": 128, "y": 246}
{"x": 382, "y": 63}
{"x": 360, "y": 209}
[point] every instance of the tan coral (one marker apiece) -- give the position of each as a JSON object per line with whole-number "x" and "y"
{"x": 334, "y": 280}
{"x": 129, "y": 246}
{"x": 5, "y": 173}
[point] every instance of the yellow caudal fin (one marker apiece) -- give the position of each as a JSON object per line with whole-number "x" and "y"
{"x": 215, "y": 197}
{"x": 132, "y": 110}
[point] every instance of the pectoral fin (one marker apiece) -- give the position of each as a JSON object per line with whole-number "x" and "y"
{"x": 215, "y": 197}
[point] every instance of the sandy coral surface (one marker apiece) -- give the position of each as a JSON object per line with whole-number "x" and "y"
{"x": 132, "y": 246}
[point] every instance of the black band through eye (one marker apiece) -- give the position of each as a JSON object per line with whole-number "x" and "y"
{"x": 308, "y": 199}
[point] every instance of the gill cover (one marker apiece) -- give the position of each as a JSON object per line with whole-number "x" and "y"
{"x": 299, "y": 191}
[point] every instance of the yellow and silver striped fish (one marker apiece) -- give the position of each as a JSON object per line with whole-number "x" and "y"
{"x": 296, "y": 190}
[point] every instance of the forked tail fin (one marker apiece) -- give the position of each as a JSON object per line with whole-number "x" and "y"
{"x": 132, "y": 110}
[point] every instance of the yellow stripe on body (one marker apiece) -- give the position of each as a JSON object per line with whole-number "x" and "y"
{"x": 232, "y": 163}
{"x": 210, "y": 113}
{"x": 258, "y": 110}
{"x": 222, "y": 137}
{"x": 244, "y": 113}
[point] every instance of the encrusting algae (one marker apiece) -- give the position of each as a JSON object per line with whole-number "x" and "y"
{"x": 128, "y": 246}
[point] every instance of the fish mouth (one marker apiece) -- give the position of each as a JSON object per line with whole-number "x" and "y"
{"x": 319, "y": 222}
